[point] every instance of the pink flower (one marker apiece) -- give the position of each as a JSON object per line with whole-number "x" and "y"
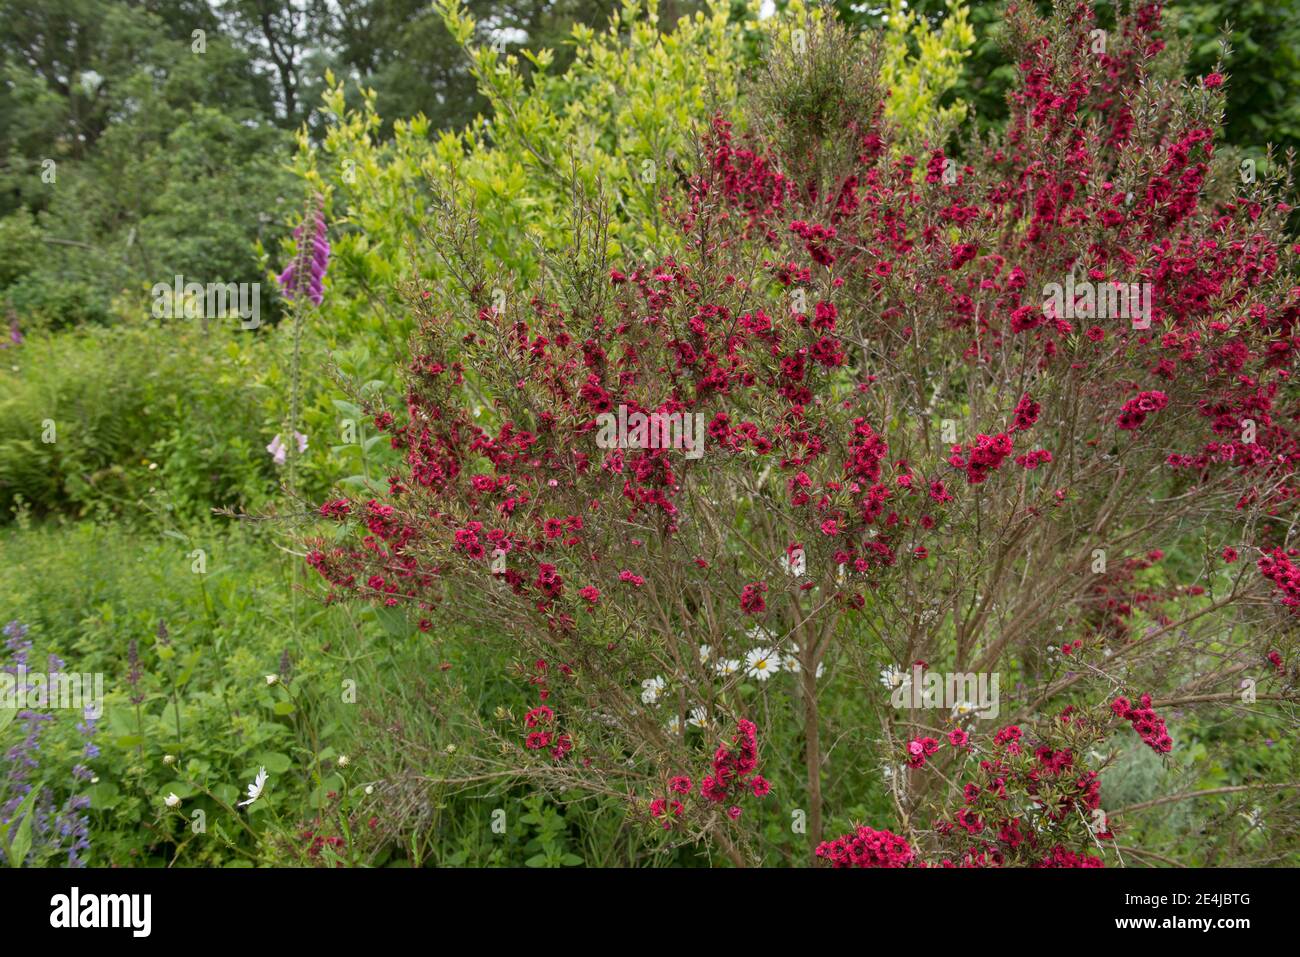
{"x": 278, "y": 449}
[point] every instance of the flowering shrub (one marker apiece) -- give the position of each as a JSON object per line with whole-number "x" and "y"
{"x": 620, "y": 119}
{"x": 909, "y": 451}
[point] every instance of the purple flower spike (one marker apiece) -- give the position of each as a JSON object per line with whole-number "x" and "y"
{"x": 306, "y": 273}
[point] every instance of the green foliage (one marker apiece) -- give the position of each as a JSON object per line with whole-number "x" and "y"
{"x": 1264, "y": 40}
{"x": 1263, "y": 62}
{"x": 615, "y": 123}
{"x": 88, "y": 591}
{"x": 402, "y": 50}
{"x": 164, "y": 415}
{"x": 138, "y": 156}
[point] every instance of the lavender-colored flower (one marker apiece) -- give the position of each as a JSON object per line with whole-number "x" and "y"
{"x": 306, "y": 272}
{"x": 52, "y": 831}
{"x": 74, "y": 829}
{"x": 87, "y": 730}
{"x": 278, "y": 449}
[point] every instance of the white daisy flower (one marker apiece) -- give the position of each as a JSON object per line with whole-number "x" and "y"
{"x": 762, "y": 663}
{"x": 728, "y": 666}
{"x": 705, "y": 650}
{"x": 651, "y": 688}
{"x": 674, "y": 725}
{"x": 255, "y": 789}
{"x": 962, "y": 708}
{"x": 792, "y": 664}
{"x": 344, "y": 760}
{"x": 894, "y": 677}
{"x": 698, "y": 717}
{"x": 172, "y": 800}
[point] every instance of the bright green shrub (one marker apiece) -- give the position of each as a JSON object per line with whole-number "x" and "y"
{"x": 614, "y": 123}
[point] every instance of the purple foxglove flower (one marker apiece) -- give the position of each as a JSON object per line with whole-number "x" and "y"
{"x": 278, "y": 449}
{"x": 306, "y": 272}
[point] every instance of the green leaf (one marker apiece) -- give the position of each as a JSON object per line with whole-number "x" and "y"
{"x": 274, "y": 762}
{"x": 7, "y": 715}
{"x": 22, "y": 842}
{"x": 105, "y": 795}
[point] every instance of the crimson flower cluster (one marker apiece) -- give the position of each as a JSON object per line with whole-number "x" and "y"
{"x": 540, "y": 720}
{"x": 983, "y": 456}
{"x": 866, "y": 847}
{"x": 1145, "y": 722}
{"x": 734, "y": 776}
{"x": 920, "y": 749}
{"x": 734, "y": 769}
{"x": 1136, "y": 409}
{"x": 1278, "y": 568}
